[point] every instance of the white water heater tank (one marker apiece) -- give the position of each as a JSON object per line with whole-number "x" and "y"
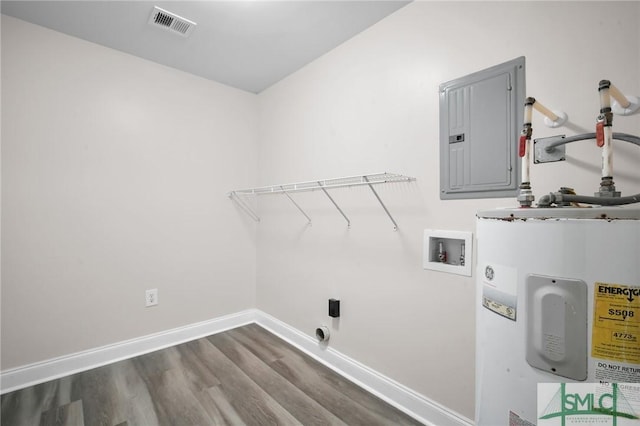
{"x": 558, "y": 300}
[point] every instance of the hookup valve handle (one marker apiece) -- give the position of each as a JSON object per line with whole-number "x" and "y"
{"x": 525, "y": 136}
{"x": 600, "y": 133}
{"x": 522, "y": 146}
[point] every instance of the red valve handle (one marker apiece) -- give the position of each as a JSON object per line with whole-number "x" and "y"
{"x": 522, "y": 146}
{"x": 600, "y": 133}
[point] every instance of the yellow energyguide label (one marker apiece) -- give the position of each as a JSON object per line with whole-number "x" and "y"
{"x": 616, "y": 323}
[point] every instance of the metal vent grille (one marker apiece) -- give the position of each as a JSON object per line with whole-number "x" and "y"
{"x": 170, "y": 21}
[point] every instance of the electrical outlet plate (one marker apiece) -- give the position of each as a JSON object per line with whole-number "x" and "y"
{"x": 151, "y": 297}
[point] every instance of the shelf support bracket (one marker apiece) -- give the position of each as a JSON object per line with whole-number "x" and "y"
{"x": 295, "y": 204}
{"x": 335, "y": 204}
{"x": 395, "y": 225}
{"x": 235, "y": 197}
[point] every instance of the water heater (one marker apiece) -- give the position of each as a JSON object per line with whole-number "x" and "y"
{"x": 558, "y": 300}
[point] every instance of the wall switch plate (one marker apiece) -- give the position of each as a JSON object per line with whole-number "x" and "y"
{"x": 151, "y": 297}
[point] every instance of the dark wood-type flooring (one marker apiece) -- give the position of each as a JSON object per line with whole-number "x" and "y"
{"x": 245, "y": 376}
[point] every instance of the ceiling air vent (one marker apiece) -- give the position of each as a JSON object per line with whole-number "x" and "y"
{"x": 172, "y": 22}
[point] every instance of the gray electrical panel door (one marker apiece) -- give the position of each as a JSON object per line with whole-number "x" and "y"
{"x": 480, "y": 121}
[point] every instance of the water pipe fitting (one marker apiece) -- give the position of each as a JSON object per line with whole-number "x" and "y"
{"x": 607, "y": 188}
{"x": 525, "y": 196}
{"x": 559, "y": 198}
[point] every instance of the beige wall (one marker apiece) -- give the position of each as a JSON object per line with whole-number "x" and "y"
{"x": 114, "y": 179}
{"x": 372, "y": 105}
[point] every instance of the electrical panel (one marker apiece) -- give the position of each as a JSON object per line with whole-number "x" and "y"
{"x": 481, "y": 117}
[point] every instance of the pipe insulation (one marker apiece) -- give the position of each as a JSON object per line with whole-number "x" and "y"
{"x": 545, "y": 111}
{"x": 618, "y": 96}
{"x": 528, "y": 110}
{"x": 605, "y": 98}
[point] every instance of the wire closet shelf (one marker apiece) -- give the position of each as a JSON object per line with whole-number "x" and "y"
{"x": 320, "y": 185}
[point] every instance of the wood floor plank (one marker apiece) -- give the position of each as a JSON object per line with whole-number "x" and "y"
{"x": 171, "y": 390}
{"x": 159, "y": 361}
{"x": 134, "y": 401}
{"x": 251, "y": 336}
{"x": 312, "y": 383}
{"x": 114, "y": 394}
{"x": 94, "y": 388}
{"x": 197, "y": 367}
{"x": 25, "y": 406}
{"x": 299, "y": 404}
{"x": 63, "y": 391}
{"x": 65, "y": 415}
{"x": 253, "y": 405}
{"x": 198, "y": 372}
{"x": 228, "y": 413}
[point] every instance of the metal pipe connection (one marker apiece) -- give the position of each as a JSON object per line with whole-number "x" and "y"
{"x": 559, "y": 198}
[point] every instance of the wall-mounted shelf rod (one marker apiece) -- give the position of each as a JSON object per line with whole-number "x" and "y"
{"x": 243, "y": 205}
{"x": 296, "y": 204}
{"x": 395, "y": 225}
{"x": 323, "y": 185}
{"x": 337, "y": 206}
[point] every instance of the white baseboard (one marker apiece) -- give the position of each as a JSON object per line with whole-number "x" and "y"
{"x": 32, "y": 374}
{"x": 401, "y": 397}
{"x": 417, "y": 406}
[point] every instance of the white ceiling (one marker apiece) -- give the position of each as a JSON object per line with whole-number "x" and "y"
{"x": 246, "y": 44}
